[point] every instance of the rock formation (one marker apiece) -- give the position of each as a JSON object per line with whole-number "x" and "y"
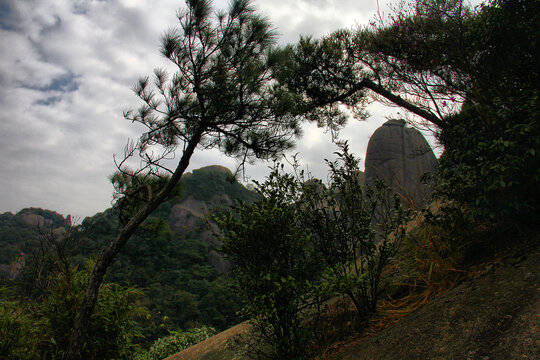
{"x": 205, "y": 190}
{"x": 400, "y": 156}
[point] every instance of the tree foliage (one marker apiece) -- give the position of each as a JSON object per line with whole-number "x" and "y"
{"x": 221, "y": 96}
{"x": 356, "y": 229}
{"x": 486, "y": 59}
{"x": 37, "y": 326}
{"x": 491, "y": 162}
{"x": 274, "y": 267}
{"x": 471, "y": 75}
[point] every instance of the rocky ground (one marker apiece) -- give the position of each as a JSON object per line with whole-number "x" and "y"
{"x": 494, "y": 314}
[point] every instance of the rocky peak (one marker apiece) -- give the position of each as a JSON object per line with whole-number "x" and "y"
{"x": 400, "y": 156}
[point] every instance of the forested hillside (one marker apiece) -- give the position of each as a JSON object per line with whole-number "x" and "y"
{"x": 172, "y": 257}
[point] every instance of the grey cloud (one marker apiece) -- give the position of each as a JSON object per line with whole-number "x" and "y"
{"x": 66, "y": 68}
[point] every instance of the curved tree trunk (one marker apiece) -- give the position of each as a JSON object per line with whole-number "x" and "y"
{"x": 107, "y": 256}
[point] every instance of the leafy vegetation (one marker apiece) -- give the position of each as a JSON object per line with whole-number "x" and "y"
{"x": 176, "y": 342}
{"x": 475, "y": 84}
{"x": 303, "y": 243}
{"x": 38, "y": 326}
{"x": 298, "y": 242}
{"x": 274, "y": 267}
{"x": 16, "y": 229}
{"x": 356, "y": 229}
{"x": 17, "y": 329}
{"x": 177, "y": 287}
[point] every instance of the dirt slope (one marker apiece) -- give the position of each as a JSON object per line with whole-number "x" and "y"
{"x": 494, "y": 316}
{"x": 218, "y": 347}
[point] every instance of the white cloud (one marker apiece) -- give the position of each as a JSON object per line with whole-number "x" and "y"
{"x": 66, "y": 69}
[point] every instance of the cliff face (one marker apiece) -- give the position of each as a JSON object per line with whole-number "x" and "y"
{"x": 189, "y": 216}
{"x": 399, "y": 156}
{"x": 203, "y": 191}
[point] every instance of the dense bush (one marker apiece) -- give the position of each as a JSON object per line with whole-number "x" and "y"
{"x": 491, "y": 160}
{"x": 18, "y": 330}
{"x": 113, "y": 330}
{"x": 39, "y": 329}
{"x": 39, "y": 309}
{"x": 176, "y": 342}
{"x": 304, "y": 242}
{"x": 492, "y": 164}
{"x": 274, "y": 266}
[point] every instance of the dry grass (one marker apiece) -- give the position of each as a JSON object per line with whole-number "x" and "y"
{"x": 214, "y": 347}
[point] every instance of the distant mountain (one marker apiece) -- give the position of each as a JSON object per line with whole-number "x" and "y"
{"x": 172, "y": 256}
{"x": 16, "y": 230}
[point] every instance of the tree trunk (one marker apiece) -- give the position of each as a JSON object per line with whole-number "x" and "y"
{"x": 398, "y": 100}
{"x": 107, "y": 256}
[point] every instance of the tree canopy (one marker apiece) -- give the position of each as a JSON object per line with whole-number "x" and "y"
{"x": 471, "y": 75}
{"x": 220, "y": 96}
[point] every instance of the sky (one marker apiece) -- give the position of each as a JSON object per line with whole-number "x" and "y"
{"x": 66, "y": 72}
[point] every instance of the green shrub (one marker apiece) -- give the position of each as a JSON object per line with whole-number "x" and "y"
{"x": 40, "y": 328}
{"x": 355, "y": 228}
{"x": 491, "y": 161}
{"x": 176, "y": 342}
{"x": 112, "y": 330}
{"x": 274, "y": 266}
{"x": 305, "y": 242}
{"x": 18, "y": 332}
{"x": 38, "y": 318}
{"x": 491, "y": 164}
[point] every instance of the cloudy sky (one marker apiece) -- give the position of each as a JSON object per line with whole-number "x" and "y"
{"x": 66, "y": 72}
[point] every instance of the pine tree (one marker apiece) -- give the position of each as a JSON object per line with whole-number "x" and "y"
{"x": 221, "y": 96}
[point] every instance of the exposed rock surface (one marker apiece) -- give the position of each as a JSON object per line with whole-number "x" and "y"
{"x": 221, "y": 265}
{"x": 493, "y": 317}
{"x": 399, "y": 156}
{"x": 33, "y": 219}
{"x": 183, "y": 219}
{"x": 217, "y": 347}
{"x": 206, "y": 189}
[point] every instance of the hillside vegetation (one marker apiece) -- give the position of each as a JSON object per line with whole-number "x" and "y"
{"x": 171, "y": 260}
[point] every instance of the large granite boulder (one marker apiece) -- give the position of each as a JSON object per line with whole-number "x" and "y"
{"x": 399, "y": 156}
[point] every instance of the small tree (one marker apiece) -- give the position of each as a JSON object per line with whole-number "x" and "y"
{"x": 273, "y": 265}
{"x": 221, "y": 96}
{"x": 356, "y": 229}
{"x": 304, "y": 242}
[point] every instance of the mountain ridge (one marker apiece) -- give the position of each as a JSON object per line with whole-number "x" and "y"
{"x": 172, "y": 256}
